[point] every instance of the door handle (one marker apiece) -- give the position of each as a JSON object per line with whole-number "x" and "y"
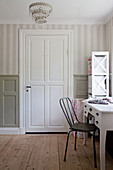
{"x": 28, "y": 87}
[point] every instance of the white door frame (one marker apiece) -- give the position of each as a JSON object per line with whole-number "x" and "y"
{"x": 22, "y": 36}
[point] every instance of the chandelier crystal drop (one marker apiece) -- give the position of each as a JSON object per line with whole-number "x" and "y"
{"x": 40, "y": 11}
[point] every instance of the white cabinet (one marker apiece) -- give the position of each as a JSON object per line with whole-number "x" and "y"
{"x": 98, "y": 74}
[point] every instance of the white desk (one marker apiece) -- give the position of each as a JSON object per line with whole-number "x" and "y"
{"x": 104, "y": 121}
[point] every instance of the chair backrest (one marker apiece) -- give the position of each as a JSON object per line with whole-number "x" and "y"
{"x": 68, "y": 110}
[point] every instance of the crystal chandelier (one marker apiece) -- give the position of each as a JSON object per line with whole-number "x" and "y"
{"x": 40, "y": 11}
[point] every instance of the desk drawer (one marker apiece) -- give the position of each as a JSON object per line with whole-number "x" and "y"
{"x": 96, "y": 114}
{"x": 91, "y": 111}
{"x": 85, "y": 110}
{"x": 98, "y": 123}
{"x": 98, "y": 119}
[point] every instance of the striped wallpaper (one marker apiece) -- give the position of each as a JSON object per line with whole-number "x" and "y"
{"x": 109, "y": 44}
{"x": 109, "y": 40}
{"x": 87, "y": 38}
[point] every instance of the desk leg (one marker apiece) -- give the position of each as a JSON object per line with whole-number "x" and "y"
{"x": 102, "y": 148}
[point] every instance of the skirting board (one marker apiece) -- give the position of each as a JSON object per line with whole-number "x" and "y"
{"x": 11, "y": 131}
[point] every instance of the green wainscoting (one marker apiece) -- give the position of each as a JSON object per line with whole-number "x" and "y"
{"x": 9, "y": 98}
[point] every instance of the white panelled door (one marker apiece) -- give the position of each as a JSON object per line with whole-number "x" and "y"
{"x": 46, "y": 78}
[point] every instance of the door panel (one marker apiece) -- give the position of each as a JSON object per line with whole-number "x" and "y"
{"x": 37, "y": 106}
{"x": 36, "y": 59}
{"x": 46, "y": 73}
{"x": 57, "y": 119}
{"x": 56, "y": 64}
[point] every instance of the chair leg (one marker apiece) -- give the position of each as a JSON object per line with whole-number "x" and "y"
{"x": 66, "y": 146}
{"x": 94, "y": 149}
{"x": 75, "y": 140}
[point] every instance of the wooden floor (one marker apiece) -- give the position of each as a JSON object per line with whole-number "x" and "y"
{"x": 45, "y": 152}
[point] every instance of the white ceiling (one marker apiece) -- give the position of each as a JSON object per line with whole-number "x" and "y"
{"x": 64, "y": 11}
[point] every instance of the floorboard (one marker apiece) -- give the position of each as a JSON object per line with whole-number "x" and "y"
{"x": 46, "y": 152}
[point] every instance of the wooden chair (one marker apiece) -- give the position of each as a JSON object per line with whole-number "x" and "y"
{"x": 70, "y": 116}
